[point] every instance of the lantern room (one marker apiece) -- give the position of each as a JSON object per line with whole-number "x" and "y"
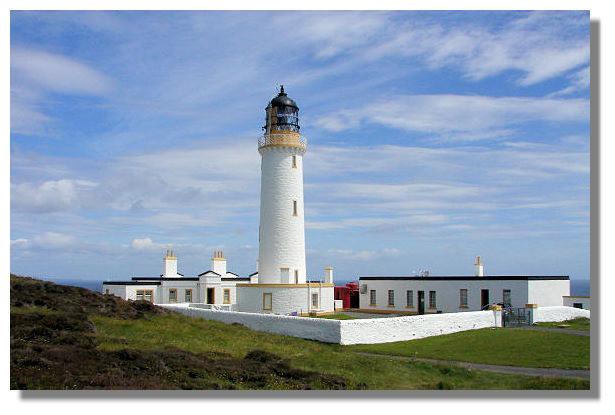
{"x": 282, "y": 114}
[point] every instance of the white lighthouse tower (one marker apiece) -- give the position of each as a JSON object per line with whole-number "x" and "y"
{"x": 283, "y": 287}
{"x": 281, "y": 254}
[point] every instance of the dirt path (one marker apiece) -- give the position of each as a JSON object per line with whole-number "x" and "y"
{"x": 514, "y": 370}
{"x": 558, "y": 330}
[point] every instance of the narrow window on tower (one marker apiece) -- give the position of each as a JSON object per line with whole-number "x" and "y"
{"x": 294, "y": 162}
{"x": 294, "y": 208}
{"x": 296, "y": 276}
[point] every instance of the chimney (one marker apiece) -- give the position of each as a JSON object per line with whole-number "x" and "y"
{"x": 169, "y": 267}
{"x": 479, "y": 269}
{"x": 329, "y": 275}
{"x": 218, "y": 263}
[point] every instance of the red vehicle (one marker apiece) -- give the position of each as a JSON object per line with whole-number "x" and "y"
{"x": 348, "y": 293}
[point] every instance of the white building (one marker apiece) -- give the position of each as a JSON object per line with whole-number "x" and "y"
{"x": 215, "y": 287}
{"x": 283, "y": 287}
{"x": 280, "y": 285}
{"x": 578, "y": 301}
{"x": 452, "y": 294}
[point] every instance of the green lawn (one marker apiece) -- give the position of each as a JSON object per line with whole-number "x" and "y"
{"x": 580, "y": 323}
{"x": 174, "y": 331}
{"x": 336, "y": 316}
{"x": 513, "y": 347}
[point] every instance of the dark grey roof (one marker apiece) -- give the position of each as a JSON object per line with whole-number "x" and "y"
{"x": 164, "y": 279}
{"x": 208, "y": 271}
{"x": 177, "y": 274}
{"x": 131, "y": 282}
{"x": 235, "y": 279}
{"x": 282, "y": 100}
{"x": 470, "y": 278}
{"x": 253, "y": 274}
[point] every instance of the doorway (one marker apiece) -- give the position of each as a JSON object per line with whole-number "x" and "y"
{"x": 421, "y": 302}
{"x": 211, "y": 296}
{"x": 484, "y": 298}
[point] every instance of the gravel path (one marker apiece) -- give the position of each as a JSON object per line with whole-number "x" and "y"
{"x": 515, "y": 370}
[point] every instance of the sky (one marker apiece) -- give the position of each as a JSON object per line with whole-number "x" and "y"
{"x": 433, "y": 137}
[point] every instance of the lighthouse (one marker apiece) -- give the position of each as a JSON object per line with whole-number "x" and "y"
{"x": 281, "y": 285}
{"x": 281, "y": 254}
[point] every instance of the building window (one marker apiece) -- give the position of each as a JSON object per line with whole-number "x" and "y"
{"x": 432, "y": 299}
{"x": 107, "y": 291}
{"x": 188, "y": 296}
{"x": 294, "y": 162}
{"x": 463, "y": 297}
{"x": 372, "y": 297}
{"x": 145, "y": 295}
{"x": 409, "y": 298}
{"x": 267, "y": 301}
{"x": 172, "y": 295}
{"x": 296, "y": 276}
{"x": 391, "y": 301}
{"x": 294, "y": 208}
{"x": 226, "y": 296}
{"x": 506, "y": 298}
{"x": 577, "y": 305}
{"x": 315, "y": 300}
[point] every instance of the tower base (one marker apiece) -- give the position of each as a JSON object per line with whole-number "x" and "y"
{"x": 285, "y": 299}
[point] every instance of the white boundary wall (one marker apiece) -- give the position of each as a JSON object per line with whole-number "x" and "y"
{"x": 323, "y": 330}
{"x": 558, "y": 313}
{"x": 393, "y": 329}
{"x": 371, "y": 331}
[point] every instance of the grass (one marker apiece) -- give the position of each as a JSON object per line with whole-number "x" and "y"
{"x": 336, "y": 316}
{"x": 511, "y": 347}
{"x": 580, "y": 323}
{"x": 371, "y": 372}
{"x": 71, "y": 338}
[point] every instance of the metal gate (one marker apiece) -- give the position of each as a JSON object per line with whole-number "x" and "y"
{"x": 515, "y": 317}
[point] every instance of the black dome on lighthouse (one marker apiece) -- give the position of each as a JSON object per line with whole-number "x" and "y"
{"x": 282, "y": 100}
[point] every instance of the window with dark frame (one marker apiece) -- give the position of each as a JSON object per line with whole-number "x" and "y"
{"x": 294, "y": 208}
{"x": 463, "y": 297}
{"x": 432, "y": 299}
{"x": 409, "y": 298}
{"x": 506, "y": 298}
{"x": 188, "y": 296}
{"x": 372, "y": 297}
{"x": 172, "y": 295}
{"x": 294, "y": 162}
{"x": 314, "y": 299}
{"x": 391, "y": 298}
{"x": 267, "y": 301}
{"x": 226, "y": 296}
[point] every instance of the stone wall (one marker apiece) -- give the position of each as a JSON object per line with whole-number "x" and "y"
{"x": 385, "y": 330}
{"x": 558, "y": 313}
{"x": 375, "y": 330}
{"x": 323, "y": 330}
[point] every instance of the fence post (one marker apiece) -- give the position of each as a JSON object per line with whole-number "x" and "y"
{"x": 497, "y": 315}
{"x": 531, "y": 311}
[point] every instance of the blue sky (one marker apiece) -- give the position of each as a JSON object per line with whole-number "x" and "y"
{"x": 433, "y": 137}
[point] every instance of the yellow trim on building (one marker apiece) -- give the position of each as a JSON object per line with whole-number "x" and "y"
{"x": 311, "y": 285}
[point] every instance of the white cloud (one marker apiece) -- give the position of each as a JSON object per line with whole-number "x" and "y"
{"x": 57, "y": 73}
{"x": 579, "y": 81}
{"x": 145, "y": 244}
{"x": 35, "y": 74}
{"x": 540, "y": 46}
{"x": 363, "y": 255}
{"x": 49, "y": 196}
{"x": 462, "y": 117}
{"x": 45, "y": 241}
